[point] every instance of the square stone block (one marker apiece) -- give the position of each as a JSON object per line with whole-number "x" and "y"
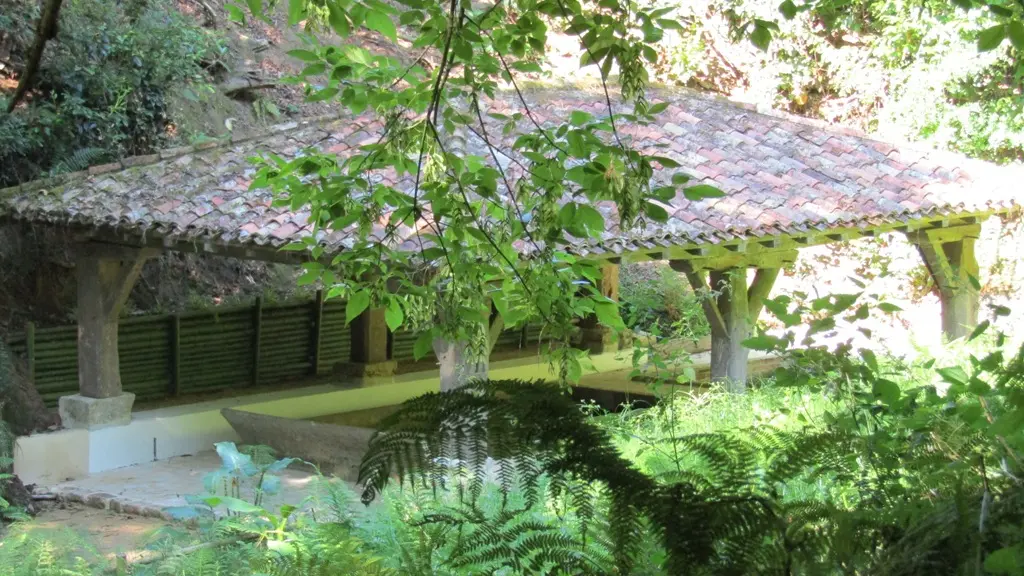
{"x": 375, "y": 370}
{"x": 84, "y": 412}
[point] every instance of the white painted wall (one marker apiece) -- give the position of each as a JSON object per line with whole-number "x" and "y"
{"x": 166, "y": 432}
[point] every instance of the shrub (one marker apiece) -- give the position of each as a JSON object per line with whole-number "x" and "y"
{"x": 655, "y": 297}
{"x": 103, "y": 86}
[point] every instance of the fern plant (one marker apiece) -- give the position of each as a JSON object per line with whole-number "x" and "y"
{"x": 80, "y": 159}
{"x": 519, "y": 432}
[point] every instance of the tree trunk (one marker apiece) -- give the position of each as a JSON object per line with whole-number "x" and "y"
{"x": 45, "y": 31}
{"x": 458, "y": 367}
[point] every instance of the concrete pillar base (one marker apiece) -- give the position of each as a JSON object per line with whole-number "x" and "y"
{"x": 598, "y": 340}
{"x": 84, "y": 412}
{"x": 370, "y": 370}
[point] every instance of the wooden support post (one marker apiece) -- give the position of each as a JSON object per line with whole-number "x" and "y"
{"x": 458, "y": 363}
{"x": 105, "y": 274}
{"x": 30, "y": 349}
{"x": 371, "y": 344}
{"x": 948, "y": 253}
{"x": 103, "y": 286}
{"x": 731, "y": 308}
{"x": 728, "y": 356}
{"x": 174, "y": 386}
{"x": 257, "y": 338}
{"x": 596, "y": 337}
{"x": 318, "y": 319}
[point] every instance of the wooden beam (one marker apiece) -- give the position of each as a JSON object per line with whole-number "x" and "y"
{"x": 370, "y": 337}
{"x": 728, "y": 356}
{"x": 701, "y": 289}
{"x": 944, "y": 235}
{"x": 948, "y": 254}
{"x": 317, "y": 328}
{"x": 759, "y": 289}
{"x": 595, "y": 337}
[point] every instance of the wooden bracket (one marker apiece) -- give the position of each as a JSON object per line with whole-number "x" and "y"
{"x": 497, "y": 326}
{"x": 701, "y": 289}
{"x": 948, "y": 253}
{"x": 759, "y": 289}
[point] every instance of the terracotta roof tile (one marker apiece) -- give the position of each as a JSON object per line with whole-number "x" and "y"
{"x": 780, "y": 176}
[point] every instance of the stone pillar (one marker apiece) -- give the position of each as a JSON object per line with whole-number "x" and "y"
{"x": 948, "y": 253}
{"x": 371, "y": 345}
{"x": 596, "y": 337}
{"x": 105, "y": 276}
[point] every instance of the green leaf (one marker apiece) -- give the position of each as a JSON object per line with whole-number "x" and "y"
{"x": 304, "y": 55}
{"x": 463, "y": 50}
{"x": 1000, "y": 11}
{"x": 656, "y": 213}
{"x": 764, "y": 342}
{"x": 393, "y": 314}
{"x": 296, "y": 10}
{"x": 338, "y": 20}
{"x": 889, "y": 307}
{"x": 991, "y": 38}
{"x": 979, "y": 330}
{"x": 1003, "y": 561}
{"x": 869, "y": 359}
{"x": 974, "y": 281}
{"x": 1000, "y": 310}
{"x": 255, "y": 7}
{"x": 761, "y": 37}
{"x": 953, "y": 375}
{"x": 669, "y": 24}
{"x": 657, "y": 108}
{"x": 235, "y": 13}
{"x": 702, "y": 191}
{"x": 608, "y": 314}
{"x": 666, "y": 162}
{"x": 788, "y": 9}
{"x": 240, "y": 506}
{"x": 325, "y": 94}
{"x": 424, "y": 345}
{"x": 579, "y": 117}
{"x": 381, "y": 22}
{"x": 887, "y": 390}
{"x": 652, "y": 33}
{"x": 357, "y": 303}
{"x": 590, "y": 219}
{"x": 314, "y": 69}
{"x": 1015, "y": 30}
{"x": 680, "y": 178}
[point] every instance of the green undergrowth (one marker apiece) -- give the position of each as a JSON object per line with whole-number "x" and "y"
{"x": 872, "y": 498}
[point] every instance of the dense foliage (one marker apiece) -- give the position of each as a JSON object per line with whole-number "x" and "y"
{"x": 901, "y": 69}
{"x": 843, "y": 463}
{"x": 653, "y": 298}
{"x": 469, "y": 216}
{"x": 850, "y": 464}
{"x": 103, "y": 88}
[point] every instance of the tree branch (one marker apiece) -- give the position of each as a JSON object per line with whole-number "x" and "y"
{"x": 45, "y": 31}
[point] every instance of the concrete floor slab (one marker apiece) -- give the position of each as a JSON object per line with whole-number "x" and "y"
{"x": 148, "y": 489}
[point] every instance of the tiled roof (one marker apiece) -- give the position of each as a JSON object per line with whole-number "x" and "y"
{"x": 781, "y": 176}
